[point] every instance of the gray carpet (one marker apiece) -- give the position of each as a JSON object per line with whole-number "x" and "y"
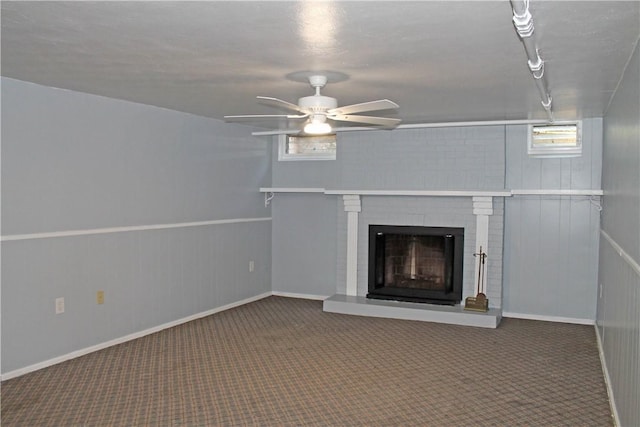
{"x": 282, "y": 361}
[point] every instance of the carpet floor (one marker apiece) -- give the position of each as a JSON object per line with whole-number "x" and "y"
{"x": 284, "y": 362}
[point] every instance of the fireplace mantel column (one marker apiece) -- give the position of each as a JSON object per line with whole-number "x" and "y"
{"x": 352, "y": 206}
{"x": 482, "y": 208}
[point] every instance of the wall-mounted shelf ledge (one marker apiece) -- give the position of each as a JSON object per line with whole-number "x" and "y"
{"x": 291, "y": 190}
{"x": 437, "y": 193}
{"x": 557, "y": 192}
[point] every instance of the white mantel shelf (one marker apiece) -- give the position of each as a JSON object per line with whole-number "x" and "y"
{"x": 437, "y": 193}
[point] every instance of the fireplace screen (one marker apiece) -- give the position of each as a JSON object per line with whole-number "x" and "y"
{"x": 420, "y": 264}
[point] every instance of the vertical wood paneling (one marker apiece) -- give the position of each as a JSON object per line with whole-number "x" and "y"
{"x": 551, "y": 257}
{"x": 528, "y": 260}
{"x": 304, "y": 248}
{"x": 149, "y": 278}
{"x": 551, "y": 242}
{"x": 619, "y": 306}
{"x": 619, "y": 326}
{"x": 74, "y": 161}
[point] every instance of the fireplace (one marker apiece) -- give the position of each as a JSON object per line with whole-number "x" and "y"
{"x": 416, "y": 264}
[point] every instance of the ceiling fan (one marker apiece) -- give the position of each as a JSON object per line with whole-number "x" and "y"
{"x": 316, "y": 109}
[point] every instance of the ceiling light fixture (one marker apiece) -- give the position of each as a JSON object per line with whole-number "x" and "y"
{"x": 318, "y": 125}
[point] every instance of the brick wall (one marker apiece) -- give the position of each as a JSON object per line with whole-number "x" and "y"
{"x": 471, "y": 158}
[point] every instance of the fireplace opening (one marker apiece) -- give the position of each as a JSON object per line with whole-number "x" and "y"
{"x": 416, "y": 264}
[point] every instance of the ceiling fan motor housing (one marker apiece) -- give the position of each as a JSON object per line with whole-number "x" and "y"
{"x": 317, "y": 103}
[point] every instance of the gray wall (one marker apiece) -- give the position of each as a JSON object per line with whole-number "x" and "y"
{"x": 72, "y": 161}
{"x": 619, "y": 275}
{"x": 306, "y": 226}
{"x": 551, "y": 242}
{"x": 434, "y": 159}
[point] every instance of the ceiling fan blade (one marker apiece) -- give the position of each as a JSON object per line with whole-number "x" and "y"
{"x": 278, "y": 103}
{"x": 381, "y": 104}
{"x": 379, "y": 121}
{"x": 256, "y": 117}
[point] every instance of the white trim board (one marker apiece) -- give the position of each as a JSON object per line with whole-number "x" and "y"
{"x": 69, "y": 233}
{"x": 74, "y": 354}
{"x": 553, "y": 192}
{"x": 434, "y": 193}
{"x": 438, "y": 193}
{"x": 625, "y": 256}
{"x": 544, "y": 318}
{"x": 292, "y": 190}
{"x": 607, "y": 379}
{"x": 301, "y": 296}
{"x": 416, "y": 126}
{"x": 69, "y": 356}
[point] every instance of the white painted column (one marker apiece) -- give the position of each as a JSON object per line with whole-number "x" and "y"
{"x": 352, "y": 206}
{"x": 482, "y": 208}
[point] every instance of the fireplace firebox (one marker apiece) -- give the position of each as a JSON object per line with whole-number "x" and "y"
{"x": 416, "y": 264}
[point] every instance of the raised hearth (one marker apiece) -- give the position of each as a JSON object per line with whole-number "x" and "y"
{"x": 453, "y": 315}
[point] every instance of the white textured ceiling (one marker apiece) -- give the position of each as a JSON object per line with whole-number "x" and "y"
{"x": 439, "y": 60}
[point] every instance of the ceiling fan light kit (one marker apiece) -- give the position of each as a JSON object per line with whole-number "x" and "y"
{"x": 318, "y": 125}
{"x": 317, "y": 128}
{"x": 317, "y": 109}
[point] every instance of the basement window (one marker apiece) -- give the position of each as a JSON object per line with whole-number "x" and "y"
{"x": 316, "y": 147}
{"x": 556, "y": 140}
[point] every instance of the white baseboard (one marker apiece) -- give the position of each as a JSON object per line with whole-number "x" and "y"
{"x": 302, "y": 296}
{"x": 135, "y": 335}
{"x": 574, "y": 320}
{"x": 44, "y": 364}
{"x": 607, "y": 379}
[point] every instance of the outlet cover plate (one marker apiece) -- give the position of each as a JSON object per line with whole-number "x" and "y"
{"x": 59, "y": 305}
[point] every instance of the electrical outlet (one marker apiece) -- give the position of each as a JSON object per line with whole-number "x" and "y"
{"x": 252, "y": 266}
{"x": 59, "y": 305}
{"x": 100, "y": 297}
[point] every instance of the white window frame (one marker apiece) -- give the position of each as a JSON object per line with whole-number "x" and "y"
{"x": 551, "y": 150}
{"x": 284, "y": 156}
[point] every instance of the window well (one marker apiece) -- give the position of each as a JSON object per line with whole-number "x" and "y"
{"x": 317, "y": 147}
{"x": 555, "y": 140}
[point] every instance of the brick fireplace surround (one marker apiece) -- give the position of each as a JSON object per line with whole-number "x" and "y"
{"x": 480, "y": 213}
